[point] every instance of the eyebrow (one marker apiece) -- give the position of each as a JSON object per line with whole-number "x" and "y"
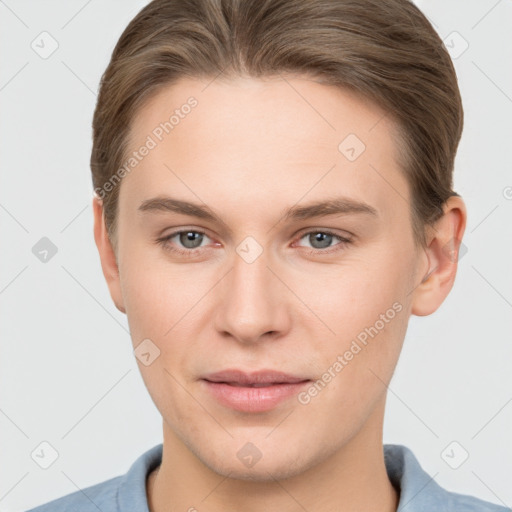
{"x": 334, "y": 206}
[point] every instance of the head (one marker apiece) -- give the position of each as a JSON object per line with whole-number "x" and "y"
{"x": 256, "y": 111}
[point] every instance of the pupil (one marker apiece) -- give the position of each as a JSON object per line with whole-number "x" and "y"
{"x": 323, "y": 238}
{"x": 188, "y": 239}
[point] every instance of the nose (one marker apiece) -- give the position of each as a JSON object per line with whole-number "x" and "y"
{"x": 252, "y": 302}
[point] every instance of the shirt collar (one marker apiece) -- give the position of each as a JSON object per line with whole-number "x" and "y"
{"x": 418, "y": 490}
{"x": 132, "y": 490}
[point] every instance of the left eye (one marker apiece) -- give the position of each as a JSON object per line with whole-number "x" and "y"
{"x": 323, "y": 239}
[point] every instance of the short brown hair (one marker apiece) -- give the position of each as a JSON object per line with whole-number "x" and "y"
{"x": 387, "y": 51}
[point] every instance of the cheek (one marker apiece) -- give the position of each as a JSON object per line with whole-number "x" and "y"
{"x": 363, "y": 307}
{"x": 158, "y": 294}
{"x": 165, "y": 305}
{"x": 352, "y": 295}
{"x": 159, "y": 301}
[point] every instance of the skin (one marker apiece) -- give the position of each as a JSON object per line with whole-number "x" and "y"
{"x": 249, "y": 150}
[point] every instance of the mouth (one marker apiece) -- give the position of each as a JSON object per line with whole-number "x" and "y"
{"x": 261, "y": 378}
{"x": 253, "y": 385}
{"x": 253, "y": 392}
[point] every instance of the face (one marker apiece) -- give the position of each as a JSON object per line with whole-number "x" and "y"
{"x": 265, "y": 280}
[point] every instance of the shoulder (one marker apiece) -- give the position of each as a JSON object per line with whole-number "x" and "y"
{"x": 467, "y": 503}
{"x": 100, "y": 496}
{"x": 419, "y": 492}
{"x": 118, "y": 494}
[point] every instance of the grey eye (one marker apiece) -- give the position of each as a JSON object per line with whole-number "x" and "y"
{"x": 189, "y": 239}
{"x": 320, "y": 240}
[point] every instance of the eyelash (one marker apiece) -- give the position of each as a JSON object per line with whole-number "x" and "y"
{"x": 192, "y": 252}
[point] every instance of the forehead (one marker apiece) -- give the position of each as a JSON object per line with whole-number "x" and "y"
{"x": 286, "y": 137}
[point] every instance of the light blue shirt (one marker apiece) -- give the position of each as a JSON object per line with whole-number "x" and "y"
{"x": 127, "y": 493}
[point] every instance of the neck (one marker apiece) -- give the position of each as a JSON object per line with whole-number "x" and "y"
{"x": 353, "y": 478}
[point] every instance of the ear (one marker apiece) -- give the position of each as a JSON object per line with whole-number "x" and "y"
{"x": 441, "y": 256}
{"x": 107, "y": 255}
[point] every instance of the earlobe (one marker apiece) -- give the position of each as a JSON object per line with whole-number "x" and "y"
{"x": 107, "y": 255}
{"x": 441, "y": 258}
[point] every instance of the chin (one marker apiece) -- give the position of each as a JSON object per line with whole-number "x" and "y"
{"x": 261, "y": 472}
{"x": 273, "y": 463}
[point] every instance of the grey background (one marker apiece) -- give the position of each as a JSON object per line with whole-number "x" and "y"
{"x": 68, "y": 375}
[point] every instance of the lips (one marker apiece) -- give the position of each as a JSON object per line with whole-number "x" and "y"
{"x": 261, "y": 378}
{"x": 255, "y": 392}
